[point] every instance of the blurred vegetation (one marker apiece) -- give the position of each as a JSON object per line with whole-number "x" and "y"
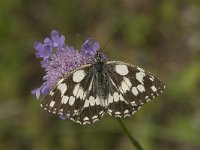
{"x": 162, "y": 36}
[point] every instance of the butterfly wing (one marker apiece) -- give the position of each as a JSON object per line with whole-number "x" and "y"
{"x": 76, "y": 97}
{"x": 84, "y": 94}
{"x": 132, "y": 87}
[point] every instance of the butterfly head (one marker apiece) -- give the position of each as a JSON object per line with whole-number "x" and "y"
{"x": 100, "y": 56}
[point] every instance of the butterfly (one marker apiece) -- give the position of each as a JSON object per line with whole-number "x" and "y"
{"x": 85, "y": 94}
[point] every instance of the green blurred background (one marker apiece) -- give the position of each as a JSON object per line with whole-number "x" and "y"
{"x": 162, "y": 36}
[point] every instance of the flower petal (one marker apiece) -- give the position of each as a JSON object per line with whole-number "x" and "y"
{"x": 43, "y": 51}
{"x": 55, "y": 36}
{"x": 44, "y": 88}
{"x": 38, "y": 46}
{"x": 62, "y": 40}
{"x": 48, "y": 41}
{"x": 95, "y": 46}
{"x": 90, "y": 47}
{"x": 36, "y": 92}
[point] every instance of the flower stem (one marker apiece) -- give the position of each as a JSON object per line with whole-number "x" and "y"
{"x": 134, "y": 141}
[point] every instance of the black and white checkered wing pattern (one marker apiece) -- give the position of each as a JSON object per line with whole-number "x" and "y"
{"x": 87, "y": 92}
{"x": 131, "y": 88}
{"x": 76, "y": 97}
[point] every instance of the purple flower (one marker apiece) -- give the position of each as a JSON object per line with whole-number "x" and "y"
{"x": 58, "y": 59}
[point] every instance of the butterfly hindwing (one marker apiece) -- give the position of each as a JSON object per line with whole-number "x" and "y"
{"x": 92, "y": 110}
{"x": 133, "y": 87}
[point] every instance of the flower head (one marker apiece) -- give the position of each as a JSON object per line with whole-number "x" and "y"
{"x": 58, "y": 59}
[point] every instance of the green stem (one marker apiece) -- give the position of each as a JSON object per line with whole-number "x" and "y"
{"x": 134, "y": 141}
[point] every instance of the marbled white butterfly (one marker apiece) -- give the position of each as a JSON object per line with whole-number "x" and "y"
{"x": 115, "y": 87}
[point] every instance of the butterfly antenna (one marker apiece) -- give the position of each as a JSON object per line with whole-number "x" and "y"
{"x": 107, "y": 40}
